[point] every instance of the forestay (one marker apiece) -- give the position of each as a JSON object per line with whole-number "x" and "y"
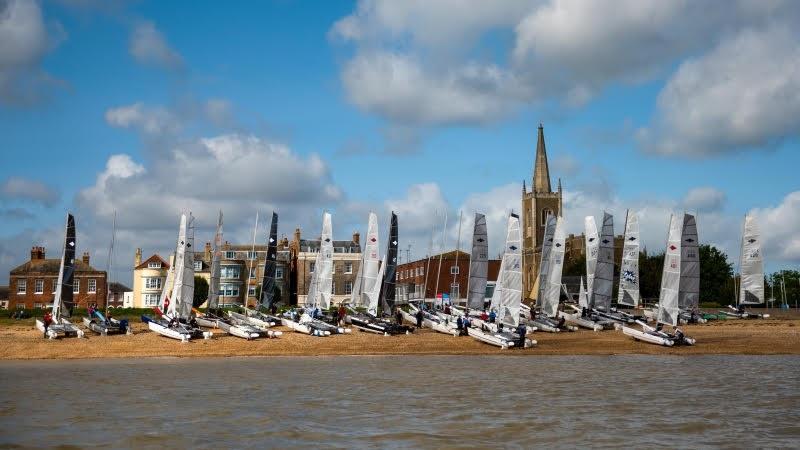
{"x": 556, "y": 262}
{"x": 592, "y": 246}
{"x": 603, "y": 284}
{"x": 508, "y": 291}
{"x": 478, "y": 264}
{"x": 668, "y": 310}
{"x": 629, "y": 270}
{"x": 689, "y": 293}
{"x": 751, "y": 289}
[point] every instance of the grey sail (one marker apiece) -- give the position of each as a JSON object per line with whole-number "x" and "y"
{"x": 629, "y": 270}
{"x": 270, "y": 266}
{"x": 583, "y": 299}
{"x": 668, "y": 310}
{"x": 751, "y": 288}
{"x": 544, "y": 263}
{"x": 63, "y": 301}
{"x": 183, "y": 283}
{"x": 216, "y": 253}
{"x": 689, "y": 294}
{"x": 390, "y": 271}
{"x": 508, "y": 291}
{"x": 603, "y": 284}
{"x": 592, "y": 247}
{"x": 555, "y": 265}
{"x": 369, "y": 273}
{"x": 478, "y": 264}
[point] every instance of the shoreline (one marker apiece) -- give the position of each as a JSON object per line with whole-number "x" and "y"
{"x": 778, "y": 336}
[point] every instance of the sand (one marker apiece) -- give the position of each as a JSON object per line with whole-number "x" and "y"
{"x": 781, "y": 335}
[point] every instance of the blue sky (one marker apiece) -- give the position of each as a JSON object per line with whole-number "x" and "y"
{"x": 423, "y": 107}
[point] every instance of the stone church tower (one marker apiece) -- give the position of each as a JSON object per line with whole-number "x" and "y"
{"x": 537, "y": 204}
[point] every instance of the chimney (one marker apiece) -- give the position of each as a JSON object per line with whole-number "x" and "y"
{"x": 284, "y": 242}
{"x": 357, "y": 238}
{"x": 207, "y": 253}
{"x": 297, "y": 235}
{"x": 137, "y": 259}
{"x": 85, "y": 258}
{"x": 37, "y": 253}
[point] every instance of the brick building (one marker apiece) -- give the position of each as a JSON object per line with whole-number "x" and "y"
{"x": 575, "y": 247}
{"x": 453, "y": 277}
{"x": 303, "y": 256}
{"x": 33, "y": 284}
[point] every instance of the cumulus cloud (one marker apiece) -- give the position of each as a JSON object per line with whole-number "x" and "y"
{"x": 704, "y": 199}
{"x": 149, "y": 46}
{"x": 780, "y": 231}
{"x": 154, "y": 121}
{"x": 24, "y": 189}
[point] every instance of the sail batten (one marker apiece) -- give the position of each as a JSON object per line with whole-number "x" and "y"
{"x": 751, "y": 263}
{"x": 668, "y": 310}
{"x": 478, "y": 264}
{"x": 629, "y": 270}
{"x": 689, "y": 293}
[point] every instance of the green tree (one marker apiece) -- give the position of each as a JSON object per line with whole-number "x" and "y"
{"x": 788, "y": 279}
{"x": 650, "y": 268}
{"x": 200, "y": 291}
{"x": 716, "y": 275}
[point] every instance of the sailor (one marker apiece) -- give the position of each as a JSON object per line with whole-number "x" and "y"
{"x": 492, "y": 316}
{"x": 484, "y": 316}
{"x": 561, "y": 322}
{"x": 273, "y": 309}
{"x": 91, "y": 311}
{"x": 522, "y": 330}
{"x": 459, "y": 325}
{"x": 466, "y": 325}
{"x": 341, "y": 313}
{"x": 48, "y": 319}
{"x": 447, "y": 309}
{"x": 399, "y": 316}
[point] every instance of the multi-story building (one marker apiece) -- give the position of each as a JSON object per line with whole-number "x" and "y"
{"x": 149, "y": 279}
{"x": 448, "y": 273}
{"x": 346, "y": 261}
{"x": 116, "y": 294}
{"x": 34, "y": 284}
{"x": 537, "y": 204}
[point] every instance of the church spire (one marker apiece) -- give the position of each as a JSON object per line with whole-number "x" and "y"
{"x": 541, "y": 173}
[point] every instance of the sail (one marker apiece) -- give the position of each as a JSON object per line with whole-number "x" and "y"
{"x": 216, "y": 253}
{"x": 270, "y": 265}
{"x": 183, "y": 287}
{"x": 751, "y": 289}
{"x": 629, "y": 270}
{"x": 689, "y": 292}
{"x": 63, "y": 301}
{"x": 583, "y": 299}
{"x": 508, "y": 291}
{"x": 556, "y": 262}
{"x": 494, "y": 303}
{"x": 603, "y": 284}
{"x": 544, "y": 264}
{"x": 592, "y": 245}
{"x": 668, "y": 310}
{"x": 372, "y": 306}
{"x": 478, "y": 264}
{"x": 324, "y": 269}
{"x": 369, "y": 272}
{"x": 390, "y": 272}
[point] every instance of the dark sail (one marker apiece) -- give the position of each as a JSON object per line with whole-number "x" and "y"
{"x": 270, "y": 265}
{"x": 68, "y": 270}
{"x": 390, "y": 273}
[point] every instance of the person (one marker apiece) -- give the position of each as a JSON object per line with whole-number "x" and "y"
{"x": 492, "y": 316}
{"x": 561, "y": 322}
{"x": 341, "y": 314}
{"x": 447, "y": 309}
{"x": 273, "y": 309}
{"x": 466, "y": 324}
{"x": 91, "y": 311}
{"x": 659, "y": 326}
{"x": 522, "y": 330}
{"x": 399, "y": 316}
{"x": 679, "y": 336}
{"x": 419, "y": 318}
{"x": 48, "y": 319}
{"x": 459, "y": 324}
{"x": 484, "y": 316}
{"x": 584, "y": 312}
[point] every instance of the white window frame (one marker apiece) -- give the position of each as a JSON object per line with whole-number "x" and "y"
{"x": 198, "y": 265}
{"x": 454, "y": 270}
{"x": 229, "y": 290}
{"x": 348, "y": 267}
{"x": 154, "y": 265}
{"x": 38, "y": 305}
{"x": 253, "y": 271}
{"x": 226, "y": 270}
{"x": 455, "y": 290}
{"x": 348, "y": 287}
{"x": 92, "y": 286}
{"x": 152, "y": 282}
{"x": 38, "y": 286}
{"x": 251, "y": 291}
{"x": 22, "y": 287}
{"x": 20, "y": 305}
{"x": 279, "y": 273}
{"x": 229, "y": 254}
{"x": 545, "y": 213}
{"x": 252, "y": 255}
{"x": 76, "y": 285}
{"x": 311, "y": 267}
{"x": 150, "y": 299}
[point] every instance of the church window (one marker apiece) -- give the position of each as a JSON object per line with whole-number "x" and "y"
{"x": 545, "y": 213}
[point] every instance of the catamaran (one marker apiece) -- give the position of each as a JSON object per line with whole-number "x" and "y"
{"x": 550, "y": 269}
{"x": 578, "y": 316}
{"x": 751, "y": 276}
{"x": 174, "y": 318}
{"x": 668, "y": 306}
{"x": 63, "y": 302}
{"x": 507, "y": 296}
{"x": 689, "y": 294}
{"x": 102, "y": 323}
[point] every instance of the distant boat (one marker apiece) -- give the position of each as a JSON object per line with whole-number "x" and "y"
{"x": 63, "y": 301}
{"x": 751, "y": 276}
{"x": 100, "y": 323}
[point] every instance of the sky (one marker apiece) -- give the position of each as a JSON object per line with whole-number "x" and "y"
{"x": 145, "y": 109}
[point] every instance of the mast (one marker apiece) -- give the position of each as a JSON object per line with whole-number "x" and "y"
{"x": 270, "y": 266}
{"x": 109, "y": 263}
{"x": 439, "y": 271}
{"x": 213, "y": 287}
{"x": 250, "y": 268}
{"x": 63, "y": 301}
{"x": 458, "y": 250}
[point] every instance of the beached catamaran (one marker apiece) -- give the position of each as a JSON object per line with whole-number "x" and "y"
{"x": 478, "y": 265}
{"x": 751, "y": 273}
{"x": 628, "y": 294}
{"x": 102, "y": 323}
{"x": 550, "y": 269}
{"x": 668, "y": 306}
{"x": 262, "y": 315}
{"x": 689, "y": 294}
{"x": 507, "y": 296}
{"x": 174, "y": 316}
{"x": 63, "y": 301}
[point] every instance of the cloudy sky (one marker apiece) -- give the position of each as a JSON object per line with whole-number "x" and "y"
{"x": 425, "y": 107}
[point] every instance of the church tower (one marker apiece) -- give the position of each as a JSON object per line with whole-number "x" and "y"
{"x": 537, "y": 204}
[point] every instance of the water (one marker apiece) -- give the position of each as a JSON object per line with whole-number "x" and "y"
{"x": 403, "y": 402}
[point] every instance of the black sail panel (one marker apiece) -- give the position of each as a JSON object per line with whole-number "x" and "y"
{"x": 390, "y": 273}
{"x": 270, "y": 265}
{"x": 68, "y": 276}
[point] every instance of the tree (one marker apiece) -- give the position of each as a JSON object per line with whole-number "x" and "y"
{"x": 575, "y": 267}
{"x": 650, "y": 268}
{"x": 790, "y": 279}
{"x": 200, "y": 291}
{"x": 276, "y": 293}
{"x": 716, "y": 274}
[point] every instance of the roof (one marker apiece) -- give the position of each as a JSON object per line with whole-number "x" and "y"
{"x": 49, "y": 266}
{"x": 118, "y": 287}
{"x": 344, "y": 246}
{"x": 451, "y": 255}
{"x": 153, "y": 258}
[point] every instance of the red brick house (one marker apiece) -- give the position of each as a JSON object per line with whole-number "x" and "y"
{"x": 33, "y": 284}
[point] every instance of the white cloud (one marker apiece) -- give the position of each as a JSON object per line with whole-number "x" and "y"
{"x": 743, "y": 94}
{"x": 780, "y": 229}
{"x": 704, "y": 199}
{"x": 154, "y": 121}
{"x": 149, "y": 46}
{"x": 19, "y": 188}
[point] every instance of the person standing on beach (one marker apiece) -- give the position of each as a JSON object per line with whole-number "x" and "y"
{"x": 459, "y": 324}
{"x": 48, "y": 319}
{"x": 419, "y": 318}
{"x": 492, "y": 316}
{"x": 341, "y": 314}
{"x": 398, "y": 316}
{"x": 522, "y": 331}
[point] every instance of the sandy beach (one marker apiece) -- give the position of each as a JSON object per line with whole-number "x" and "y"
{"x": 780, "y": 335}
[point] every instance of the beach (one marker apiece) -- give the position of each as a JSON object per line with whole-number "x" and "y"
{"x": 774, "y": 336}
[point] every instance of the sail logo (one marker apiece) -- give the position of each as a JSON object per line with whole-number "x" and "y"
{"x": 629, "y": 276}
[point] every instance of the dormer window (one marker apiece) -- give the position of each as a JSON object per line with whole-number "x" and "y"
{"x": 154, "y": 265}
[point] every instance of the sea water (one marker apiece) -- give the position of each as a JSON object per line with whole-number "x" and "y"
{"x": 403, "y": 402}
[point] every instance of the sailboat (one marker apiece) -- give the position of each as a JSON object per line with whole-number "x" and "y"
{"x": 212, "y": 317}
{"x": 629, "y": 270}
{"x": 478, "y": 265}
{"x": 689, "y": 293}
{"x": 668, "y": 303}
{"x": 174, "y": 317}
{"x": 319, "y": 293}
{"x": 751, "y": 276}
{"x": 63, "y": 300}
{"x": 603, "y": 285}
{"x": 507, "y": 296}
{"x": 102, "y": 323}
{"x": 575, "y": 318}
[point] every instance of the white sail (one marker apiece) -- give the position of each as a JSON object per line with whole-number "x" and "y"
{"x": 374, "y": 298}
{"x": 478, "y": 264}
{"x": 592, "y": 244}
{"x": 629, "y": 270}
{"x": 583, "y": 299}
{"x": 556, "y": 263}
{"x": 751, "y": 288}
{"x": 216, "y": 254}
{"x": 183, "y": 284}
{"x": 603, "y": 283}
{"x": 689, "y": 291}
{"x": 544, "y": 262}
{"x": 668, "y": 310}
{"x": 177, "y": 269}
{"x": 508, "y": 291}
{"x": 320, "y": 290}
{"x": 370, "y": 284}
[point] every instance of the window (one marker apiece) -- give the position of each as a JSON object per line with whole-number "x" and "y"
{"x": 421, "y": 271}
{"x": 454, "y": 270}
{"x": 76, "y": 286}
{"x": 252, "y": 255}
{"x": 252, "y": 273}
{"x": 198, "y": 265}
{"x": 38, "y": 287}
{"x": 279, "y": 273}
{"x": 348, "y": 267}
{"x": 333, "y": 287}
{"x": 38, "y": 305}
{"x": 150, "y": 299}
{"x": 229, "y": 272}
{"x": 545, "y": 214}
{"x": 251, "y": 291}
{"x": 230, "y": 255}
{"x": 348, "y": 287}
{"x": 229, "y": 290}
{"x": 22, "y": 286}
{"x": 92, "y": 285}
{"x": 454, "y": 291}
{"x": 154, "y": 265}
{"x": 20, "y": 305}
{"x": 397, "y": 276}
{"x": 311, "y": 267}
{"x": 152, "y": 283}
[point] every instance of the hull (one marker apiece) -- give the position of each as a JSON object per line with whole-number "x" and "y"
{"x": 179, "y": 332}
{"x": 257, "y": 322}
{"x": 735, "y": 314}
{"x": 502, "y": 340}
{"x": 370, "y": 325}
{"x": 240, "y": 331}
{"x": 63, "y": 329}
{"x": 646, "y": 337}
{"x": 208, "y": 322}
{"x": 298, "y": 327}
{"x": 576, "y": 320}
{"x": 103, "y": 328}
